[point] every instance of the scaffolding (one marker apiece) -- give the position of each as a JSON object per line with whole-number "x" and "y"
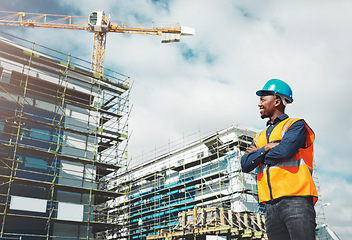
{"x": 323, "y": 231}
{"x": 194, "y": 173}
{"x": 217, "y": 222}
{"x": 63, "y": 137}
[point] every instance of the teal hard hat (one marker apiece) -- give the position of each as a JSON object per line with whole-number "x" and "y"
{"x": 277, "y": 86}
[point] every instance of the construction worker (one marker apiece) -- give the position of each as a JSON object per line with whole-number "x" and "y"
{"x": 283, "y": 156}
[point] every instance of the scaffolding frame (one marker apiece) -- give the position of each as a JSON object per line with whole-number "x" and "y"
{"x": 63, "y": 136}
{"x": 193, "y": 173}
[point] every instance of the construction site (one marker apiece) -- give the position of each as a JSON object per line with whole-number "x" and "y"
{"x": 65, "y": 171}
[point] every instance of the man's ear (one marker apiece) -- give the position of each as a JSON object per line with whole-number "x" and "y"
{"x": 277, "y": 101}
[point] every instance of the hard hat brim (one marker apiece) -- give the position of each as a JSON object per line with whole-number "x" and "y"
{"x": 268, "y": 92}
{"x": 264, "y": 92}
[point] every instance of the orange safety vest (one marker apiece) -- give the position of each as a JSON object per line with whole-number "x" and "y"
{"x": 291, "y": 177}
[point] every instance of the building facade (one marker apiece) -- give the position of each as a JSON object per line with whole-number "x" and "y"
{"x": 63, "y": 134}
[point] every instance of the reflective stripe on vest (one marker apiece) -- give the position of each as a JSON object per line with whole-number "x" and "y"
{"x": 291, "y": 177}
{"x": 288, "y": 163}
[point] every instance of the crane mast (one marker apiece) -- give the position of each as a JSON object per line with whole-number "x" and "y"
{"x": 97, "y": 23}
{"x": 98, "y": 55}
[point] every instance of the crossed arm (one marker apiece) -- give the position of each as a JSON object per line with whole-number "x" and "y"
{"x": 271, "y": 153}
{"x": 266, "y": 147}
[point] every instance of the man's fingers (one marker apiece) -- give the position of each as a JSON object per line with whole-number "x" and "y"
{"x": 250, "y": 149}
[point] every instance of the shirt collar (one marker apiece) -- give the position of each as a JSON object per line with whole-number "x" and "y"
{"x": 278, "y": 119}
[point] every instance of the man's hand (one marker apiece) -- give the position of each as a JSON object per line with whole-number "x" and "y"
{"x": 270, "y": 146}
{"x": 250, "y": 149}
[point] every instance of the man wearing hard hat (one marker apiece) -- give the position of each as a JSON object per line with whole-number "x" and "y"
{"x": 283, "y": 153}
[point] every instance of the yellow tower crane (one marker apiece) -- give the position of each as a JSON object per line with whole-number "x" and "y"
{"x": 97, "y": 23}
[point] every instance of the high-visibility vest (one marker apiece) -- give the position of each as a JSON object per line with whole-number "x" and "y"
{"x": 289, "y": 177}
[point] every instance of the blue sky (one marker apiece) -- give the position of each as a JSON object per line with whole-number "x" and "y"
{"x": 208, "y": 81}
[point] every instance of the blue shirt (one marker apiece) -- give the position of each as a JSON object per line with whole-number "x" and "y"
{"x": 293, "y": 140}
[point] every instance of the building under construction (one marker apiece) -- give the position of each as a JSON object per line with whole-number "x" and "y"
{"x": 64, "y": 171}
{"x": 63, "y": 134}
{"x": 194, "y": 190}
